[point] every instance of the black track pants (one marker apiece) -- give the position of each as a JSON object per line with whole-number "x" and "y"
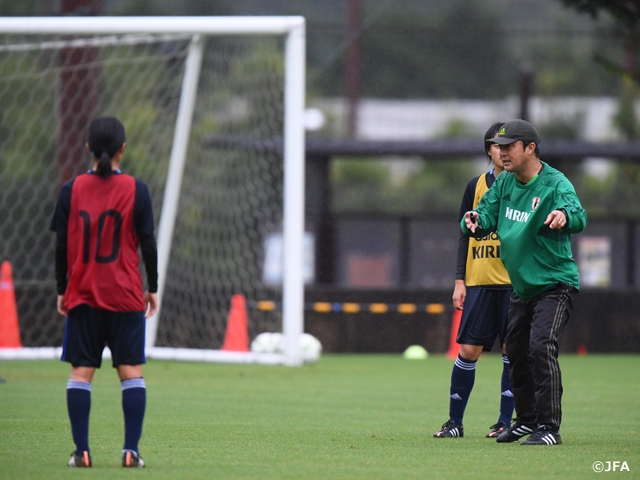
{"x": 534, "y": 327}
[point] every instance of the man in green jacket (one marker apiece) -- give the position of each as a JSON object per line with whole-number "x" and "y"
{"x": 534, "y": 209}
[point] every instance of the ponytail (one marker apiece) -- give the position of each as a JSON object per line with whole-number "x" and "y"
{"x": 105, "y": 137}
{"x": 104, "y": 165}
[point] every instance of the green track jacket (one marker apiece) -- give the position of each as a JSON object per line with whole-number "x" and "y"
{"x": 535, "y": 256}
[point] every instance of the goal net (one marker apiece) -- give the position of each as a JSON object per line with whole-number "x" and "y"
{"x": 213, "y": 112}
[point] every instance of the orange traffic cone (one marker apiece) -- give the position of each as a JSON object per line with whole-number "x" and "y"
{"x": 454, "y": 347}
{"x": 9, "y": 326}
{"x": 236, "y": 338}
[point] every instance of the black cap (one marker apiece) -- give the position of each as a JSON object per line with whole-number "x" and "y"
{"x": 515, "y": 130}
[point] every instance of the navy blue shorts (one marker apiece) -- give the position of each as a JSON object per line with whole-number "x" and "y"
{"x": 485, "y": 316}
{"x": 88, "y": 330}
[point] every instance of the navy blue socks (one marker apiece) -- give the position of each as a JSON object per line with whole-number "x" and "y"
{"x": 134, "y": 401}
{"x": 462, "y": 379}
{"x": 506, "y": 397}
{"x": 79, "y": 407}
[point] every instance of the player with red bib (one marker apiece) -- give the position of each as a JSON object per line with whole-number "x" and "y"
{"x": 101, "y": 219}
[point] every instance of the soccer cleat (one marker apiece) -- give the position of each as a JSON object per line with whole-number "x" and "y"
{"x": 515, "y": 432}
{"x": 450, "y": 429}
{"x": 132, "y": 460}
{"x": 497, "y": 429}
{"x": 543, "y": 435}
{"x": 83, "y": 460}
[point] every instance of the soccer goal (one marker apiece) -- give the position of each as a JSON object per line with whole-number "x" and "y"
{"x": 213, "y": 108}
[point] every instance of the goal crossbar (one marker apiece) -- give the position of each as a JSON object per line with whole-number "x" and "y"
{"x": 159, "y": 25}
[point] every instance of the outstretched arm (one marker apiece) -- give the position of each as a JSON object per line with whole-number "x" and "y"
{"x": 484, "y": 219}
{"x": 556, "y": 219}
{"x": 569, "y": 205}
{"x": 471, "y": 221}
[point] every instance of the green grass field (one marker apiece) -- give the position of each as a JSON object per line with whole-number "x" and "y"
{"x": 348, "y": 416}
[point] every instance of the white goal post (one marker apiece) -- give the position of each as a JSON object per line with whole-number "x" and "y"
{"x": 292, "y": 29}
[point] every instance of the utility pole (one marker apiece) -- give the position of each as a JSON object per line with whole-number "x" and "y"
{"x": 77, "y": 94}
{"x": 353, "y": 65}
{"x": 526, "y": 89}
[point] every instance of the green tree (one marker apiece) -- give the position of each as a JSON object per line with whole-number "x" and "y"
{"x": 626, "y": 15}
{"x": 617, "y": 192}
{"x": 405, "y": 186}
{"x": 9, "y": 8}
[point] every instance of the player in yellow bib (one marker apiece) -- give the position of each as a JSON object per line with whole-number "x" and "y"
{"x": 482, "y": 292}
